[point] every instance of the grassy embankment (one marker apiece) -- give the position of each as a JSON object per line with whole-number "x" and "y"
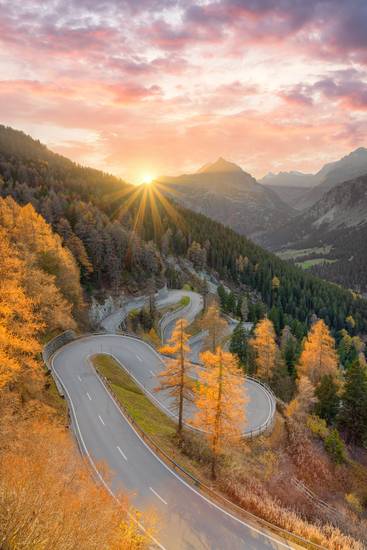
{"x": 149, "y": 418}
{"x": 247, "y": 474}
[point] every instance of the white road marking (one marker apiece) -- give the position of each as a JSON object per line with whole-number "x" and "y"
{"x": 101, "y": 419}
{"x": 157, "y": 495}
{"x": 140, "y": 359}
{"x": 79, "y": 379}
{"x": 152, "y": 373}
{"x": 89, "y": 397}
{"x": 200, "y": 495}
{"x": 108, "y": 488}
{"x": 121, "y": 453}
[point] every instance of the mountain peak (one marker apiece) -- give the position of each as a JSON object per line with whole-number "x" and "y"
{"x": 361, "y": 151}
{"x": 220, "y": 165}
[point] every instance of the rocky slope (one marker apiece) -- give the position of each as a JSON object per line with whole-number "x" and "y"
{"x": 338, "y": 224}
{"x": 347, "y": 168}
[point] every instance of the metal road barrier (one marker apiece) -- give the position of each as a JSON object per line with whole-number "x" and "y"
{"x": 57, "y": 342}
{"x": 68, "y": 336}
{"x": 202, "y": 487}
{"x": 169, "y": 316}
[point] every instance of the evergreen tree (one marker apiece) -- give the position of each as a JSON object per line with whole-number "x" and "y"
{"x": 328, "y": 400}
{"x": 222, "y": 294}
{"x": 231, "y": 303}
{"x": 244, "y": 309}
{"x": 282, "y": 383}
{"x": 353, "y": 414}
{"x": 239, "y": 344}
{"x": 289, "y": 350}
{"x": 335, "y": 447}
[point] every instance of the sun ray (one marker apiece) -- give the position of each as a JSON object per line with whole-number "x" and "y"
{"x": 156, "y": 219}
{"x": 122, "y": 209}
{"x": 170, "y": 210}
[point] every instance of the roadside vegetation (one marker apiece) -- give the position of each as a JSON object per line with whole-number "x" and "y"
{"x": 48, "y": 497}
{"x": 249, "y": 474}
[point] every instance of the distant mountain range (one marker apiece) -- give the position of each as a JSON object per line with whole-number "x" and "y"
{"x": 331, "y": 236}
{"x": 301, "y": 191}
{"x": 289, "y": 186}
{"x": 228, "y": 194}
{"x": 318, "y": 220}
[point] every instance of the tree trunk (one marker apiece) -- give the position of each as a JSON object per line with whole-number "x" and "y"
{"x": 216, "y": 433}
{"x": 182, "y": 367}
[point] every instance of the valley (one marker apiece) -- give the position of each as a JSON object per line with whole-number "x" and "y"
{"x": 145, "y": 250}
{"x": 183, "y": 275}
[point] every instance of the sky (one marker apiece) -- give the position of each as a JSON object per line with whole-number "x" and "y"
{"x": 144, "y": 88}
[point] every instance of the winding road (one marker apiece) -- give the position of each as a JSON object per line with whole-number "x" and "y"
{"x": 260, "y": 406}
{"x": 187, "y": 519}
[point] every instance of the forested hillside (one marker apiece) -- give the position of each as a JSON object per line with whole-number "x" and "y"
{"x": 47, "y": 497}
{"x": 79, "y": 204}
{"x": 121, "y": 236}
{"x": 331, "y": 236}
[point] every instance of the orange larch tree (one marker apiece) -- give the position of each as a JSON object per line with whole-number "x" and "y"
{"x": 48, "y": 499}
{"x": 318, "y": 355}
{"x": 266, "y": 349}
{"x": 52, "y": 276}
{"x": 19, "y": 323}
{"x": 215, "y": 325}
{"x": 220, "y": 400}
{"x": 175, "y": 378}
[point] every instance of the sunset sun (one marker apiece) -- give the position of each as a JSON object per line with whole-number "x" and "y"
{"x": 147, "y": 178}
{"x": 183, "y": 274}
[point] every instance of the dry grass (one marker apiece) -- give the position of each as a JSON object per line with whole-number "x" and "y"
{"x": 257, "y": 474}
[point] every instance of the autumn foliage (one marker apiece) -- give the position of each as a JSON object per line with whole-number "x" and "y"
{"x": 175, "y": 378}
{"x": 39, "y": 287}
{"x": 19, "y": 321}
{"x": 215, "y": 325}
{"x": 220, "y": 401}
{"x": 48, "y": 498}
{"x": 265, "y": 347}
{"x": 318, "y": 355}
{"x": 49, "y": 275}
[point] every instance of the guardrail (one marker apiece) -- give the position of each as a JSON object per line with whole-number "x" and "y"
{"x": 214, "y": 495}
{"x": 167, "y": 318}
{"x": 55, "y": 343}
{"x": 67, "y": 337}
{"x": 269, "y": 422}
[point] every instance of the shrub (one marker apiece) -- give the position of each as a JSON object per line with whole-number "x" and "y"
{"x": 335, "y": 447}
{"x": 354, "y": 502}
{"x": 317, "y": 426}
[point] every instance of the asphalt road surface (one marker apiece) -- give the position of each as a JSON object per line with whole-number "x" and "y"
{"x": 260, "y": 404}
{"x": 187, "y": 519}
{"x": 164, "y": 298}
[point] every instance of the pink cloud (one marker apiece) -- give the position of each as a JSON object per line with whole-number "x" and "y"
{"x": 173, "y": 81}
